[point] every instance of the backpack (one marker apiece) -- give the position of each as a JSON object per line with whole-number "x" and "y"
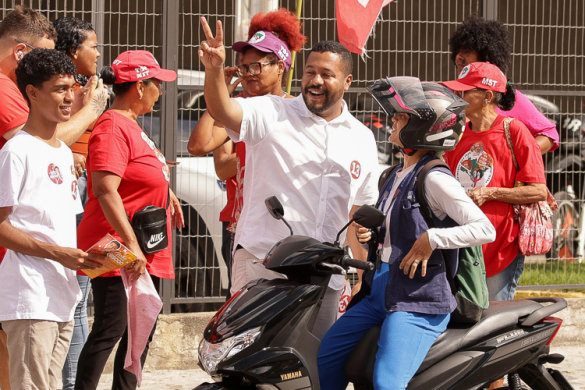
{"x": 469, "y": 286}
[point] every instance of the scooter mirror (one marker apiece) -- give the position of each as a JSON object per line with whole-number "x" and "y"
{"x": 274, "y": 207}
{"x": 369, "y": 217}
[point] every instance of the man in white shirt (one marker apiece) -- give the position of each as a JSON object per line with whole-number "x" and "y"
{"x": 310, "y": 152}
{"x": 38, "y": 203}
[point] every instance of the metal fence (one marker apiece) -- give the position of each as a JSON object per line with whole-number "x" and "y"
{"x": 410, "y": 38}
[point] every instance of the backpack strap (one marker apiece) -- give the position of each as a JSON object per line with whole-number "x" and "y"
{"x": 425, "y": 209}
{"x": 385, "y": 175}
{"x": 383, "y": 182}
{"x": 427, "y": 213}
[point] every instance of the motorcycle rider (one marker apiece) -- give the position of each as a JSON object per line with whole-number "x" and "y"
{"x": 413, "y": 306}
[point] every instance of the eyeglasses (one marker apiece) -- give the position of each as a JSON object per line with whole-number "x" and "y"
{"x": 24, "y": 43}
{"x": 255, "y": 68}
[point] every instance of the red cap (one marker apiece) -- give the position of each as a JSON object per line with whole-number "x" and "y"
{"x": 134, "y": 65}
{"x": 482, "y": 75}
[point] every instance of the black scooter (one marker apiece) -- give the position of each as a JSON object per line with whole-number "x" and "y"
{"x": 261, "y": 339}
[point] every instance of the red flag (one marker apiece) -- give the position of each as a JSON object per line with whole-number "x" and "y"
{"x": 355, "y": 21}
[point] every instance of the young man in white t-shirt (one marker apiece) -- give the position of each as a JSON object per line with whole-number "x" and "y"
{"x": 38, "y": 203}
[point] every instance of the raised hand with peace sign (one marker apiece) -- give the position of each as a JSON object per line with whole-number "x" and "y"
{"x": 217, "y": 96}
{"x": 212, "y": 51}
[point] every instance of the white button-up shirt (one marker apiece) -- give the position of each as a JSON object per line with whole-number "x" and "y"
{"x": 317, "y": 169}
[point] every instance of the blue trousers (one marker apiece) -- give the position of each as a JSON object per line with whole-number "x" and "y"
{"x": 502, "y": 286}
{"x": 404, "y": 341}
{"x": 80, "y": 333}
{"x": 81, "y": 328}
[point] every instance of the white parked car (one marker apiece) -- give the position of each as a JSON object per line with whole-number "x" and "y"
{"x": 200, "y": 269}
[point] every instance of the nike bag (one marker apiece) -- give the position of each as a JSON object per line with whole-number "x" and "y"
{"x": 150, "y": 227}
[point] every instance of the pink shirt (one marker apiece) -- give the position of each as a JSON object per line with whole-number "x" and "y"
{"x": 533, "y": 119}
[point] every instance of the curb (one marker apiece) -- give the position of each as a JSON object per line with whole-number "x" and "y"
{"x": 525, "y": 294}
{"x": 176, "y": 340}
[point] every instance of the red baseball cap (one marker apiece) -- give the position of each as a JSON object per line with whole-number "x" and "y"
{"x": 134, "y": 65}
{"x": 482, "y": 75}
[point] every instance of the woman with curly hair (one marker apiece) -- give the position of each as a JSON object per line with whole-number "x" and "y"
{"x": 481, "y": 40}
{"x": 262, "y": 69}
{"x": 78, "y": 40}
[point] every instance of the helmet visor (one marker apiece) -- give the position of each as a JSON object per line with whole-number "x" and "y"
{"x": 401, "y": 95}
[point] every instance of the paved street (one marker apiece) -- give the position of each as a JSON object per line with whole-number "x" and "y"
{"x": 572, "y": 368}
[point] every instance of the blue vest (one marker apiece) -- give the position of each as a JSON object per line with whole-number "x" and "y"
{"x": 430, "y": 294}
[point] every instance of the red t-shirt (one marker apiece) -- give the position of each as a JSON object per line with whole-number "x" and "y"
{"x": 239, "y": 190}
{"x": 230, "y": 187}
{"x": 14, "y": 110}
{"x": 14, "y": 113}
{"x": 483, "y": 159}
{"x": 235, "y": 187}
{"x": 118, "y": 145}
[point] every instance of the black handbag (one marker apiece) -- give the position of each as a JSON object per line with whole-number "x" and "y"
{"x": 150, "y": 228}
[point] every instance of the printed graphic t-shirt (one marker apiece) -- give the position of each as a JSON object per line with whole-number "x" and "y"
{"x": 484, "y": 159}
{"x": 39, "y": 183}
{"x": 118, "y": 145}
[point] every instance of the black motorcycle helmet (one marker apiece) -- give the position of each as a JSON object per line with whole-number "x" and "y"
{"x": 437, "y": 115}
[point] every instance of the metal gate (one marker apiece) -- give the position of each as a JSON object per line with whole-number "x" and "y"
{"x": 410, "y": 38}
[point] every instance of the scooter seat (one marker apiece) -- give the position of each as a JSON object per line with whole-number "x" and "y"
{"x": 359, "y": 367}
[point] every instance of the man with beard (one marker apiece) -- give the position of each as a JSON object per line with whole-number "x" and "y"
{"x": 309, "y": 151}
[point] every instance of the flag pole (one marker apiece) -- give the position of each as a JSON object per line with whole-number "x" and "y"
{"x": 294, "y": 53}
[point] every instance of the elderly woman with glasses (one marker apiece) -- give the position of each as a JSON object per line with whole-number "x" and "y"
{"x": 483, "y": 164}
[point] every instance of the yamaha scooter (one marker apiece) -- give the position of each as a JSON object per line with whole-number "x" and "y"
{"x": 261, "y": 338}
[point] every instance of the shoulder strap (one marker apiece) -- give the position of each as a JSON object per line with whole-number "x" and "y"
{"x": 420, "y": 190}
{"x": 385, "y": 175}
{"x": 427, "y": 213}
{"x": 507, "y": 122}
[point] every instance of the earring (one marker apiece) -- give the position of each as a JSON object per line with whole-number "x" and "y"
{"x": 19, "y": 55}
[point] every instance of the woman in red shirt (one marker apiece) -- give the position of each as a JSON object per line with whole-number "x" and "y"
{"x": 482, "y": 162}
{"x": 126, "y": 172}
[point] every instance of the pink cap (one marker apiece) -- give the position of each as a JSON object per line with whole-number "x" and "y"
{"x": 134, "y": 65}
{"x": 267, "y": 42}
{"x": 482, "y": 75}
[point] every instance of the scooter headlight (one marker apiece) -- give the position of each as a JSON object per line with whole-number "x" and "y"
{"x": 211, "y": 354}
